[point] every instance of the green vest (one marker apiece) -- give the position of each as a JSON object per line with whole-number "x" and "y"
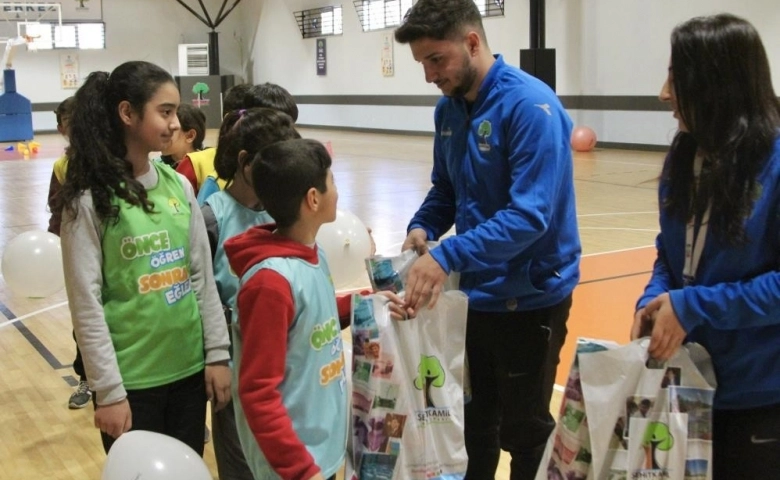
{"x": 151, "y": 310}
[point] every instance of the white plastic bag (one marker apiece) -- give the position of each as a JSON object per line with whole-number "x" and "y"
{"x": 621, "y": 419}
{"x": 407, "y": 383}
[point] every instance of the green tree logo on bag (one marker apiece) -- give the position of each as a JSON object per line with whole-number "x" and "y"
{"x": 657, "y": 437}
{"x": 431, "y": 374}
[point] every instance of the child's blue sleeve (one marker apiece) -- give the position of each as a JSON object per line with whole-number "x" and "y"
{"x": 209, "y": 187}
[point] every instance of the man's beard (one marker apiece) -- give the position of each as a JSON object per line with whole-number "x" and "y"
{"x": 465, "y": 79}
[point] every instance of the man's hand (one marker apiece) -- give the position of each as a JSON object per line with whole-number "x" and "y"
{"x": 423, "y": 282}
{"x": 643, "y": 325}
{"x": 218, "y": 385}
{"x": 114, "y": 419}
{"x": 667, "y": 334}
{"x": 417, "y": 240}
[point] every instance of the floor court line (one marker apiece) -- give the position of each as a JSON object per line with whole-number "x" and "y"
{"x": 617, "y": 162}
{"x": 616, "y": 277}
{"x": 608, "y": 252}
{"x": 586, "y": 215}
{"x": 622, "y": 229}
{"x": 13, "y": 318}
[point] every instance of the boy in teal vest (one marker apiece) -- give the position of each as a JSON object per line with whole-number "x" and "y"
{"x": 292, "y": 410}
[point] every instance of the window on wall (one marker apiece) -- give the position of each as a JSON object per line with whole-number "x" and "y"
{"x": 317, "y": 22}
{"x": 82, "y": 36}
{"x": 380, "y": 14}
{"x": 65, "y": 36}
{"x": 91, "y": 36}
{"x": 490, "y": 8}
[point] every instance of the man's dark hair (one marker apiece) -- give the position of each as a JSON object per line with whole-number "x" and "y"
{"x": 283, "y": 173}
{"x": 439, "y": 20}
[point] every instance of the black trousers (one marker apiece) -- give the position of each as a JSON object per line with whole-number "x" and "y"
{"x": 78, "y": 363}
{"x": 746, "y": 443}
{"x": 177, "y": 409}
{"x": 512, "y": 357}
{"x": 231, "y": 463}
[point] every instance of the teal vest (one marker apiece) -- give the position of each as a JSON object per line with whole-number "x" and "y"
{"x": 314, "y": 389}
{"x": 232, "y": 219}
{"x": 149, "y": 306}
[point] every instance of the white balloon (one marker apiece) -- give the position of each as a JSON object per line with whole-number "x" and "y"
{"x": 32, "y": 264}
{"x": 146, "y": 455}
{"x": 347, "y": 245}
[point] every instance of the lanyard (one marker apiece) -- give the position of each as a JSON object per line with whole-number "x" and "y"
{"x": 694, "y": 247}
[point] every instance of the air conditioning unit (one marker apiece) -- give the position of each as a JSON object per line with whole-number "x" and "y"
{"x": 193, "y": 59}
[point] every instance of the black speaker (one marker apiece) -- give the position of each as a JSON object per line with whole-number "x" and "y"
{"x": 539, "y": 62}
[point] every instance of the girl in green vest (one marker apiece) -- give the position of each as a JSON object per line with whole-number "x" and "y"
{"x": 138, "y": 271}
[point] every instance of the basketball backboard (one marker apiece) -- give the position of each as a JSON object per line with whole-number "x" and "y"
{"x": 31, "y": 19}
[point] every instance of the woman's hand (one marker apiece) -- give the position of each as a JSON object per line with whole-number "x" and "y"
{"x": 667, "y": 333}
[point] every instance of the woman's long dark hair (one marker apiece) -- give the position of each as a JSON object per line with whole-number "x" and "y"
{"x": 723, "y": 85}
{"x": 96, "y": 156}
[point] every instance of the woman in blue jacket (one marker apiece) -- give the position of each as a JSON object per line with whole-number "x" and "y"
{"x": 716, "y": 278}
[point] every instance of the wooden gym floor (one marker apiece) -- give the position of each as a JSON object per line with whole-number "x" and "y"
{"x": 382, "y": 179}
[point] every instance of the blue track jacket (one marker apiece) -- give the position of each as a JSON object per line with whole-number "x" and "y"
{"x": 733, "y": 307}
{"x": 502, "y": 173}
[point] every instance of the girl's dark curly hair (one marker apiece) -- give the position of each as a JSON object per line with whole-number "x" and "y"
{"x": 722, "y": 81}
{"x": 249, "y": 130}
{"x": 96, "y": 156}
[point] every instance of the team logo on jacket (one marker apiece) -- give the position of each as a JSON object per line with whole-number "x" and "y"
{"x": 446, "y": 132}
{"x": 545, "y": 107}
{"x": 484, "y": 131}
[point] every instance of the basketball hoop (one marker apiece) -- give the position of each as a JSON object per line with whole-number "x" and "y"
{"x": 30, "y": 41}
{"x": 8, "y": 56}
{"x": 33, "y": 19}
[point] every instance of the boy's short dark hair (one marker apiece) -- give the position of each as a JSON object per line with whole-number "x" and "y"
{"x": 193, "y": 118}
{"x": 439, "y": 20}
{"x": 64, "y": 109}
{"x": 271, "y": 95}
{"x": 234, "y": 98}
{"x": 282, "y": 174}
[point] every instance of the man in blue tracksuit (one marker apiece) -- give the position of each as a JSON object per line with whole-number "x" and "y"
{"x": 503, "y": 175}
